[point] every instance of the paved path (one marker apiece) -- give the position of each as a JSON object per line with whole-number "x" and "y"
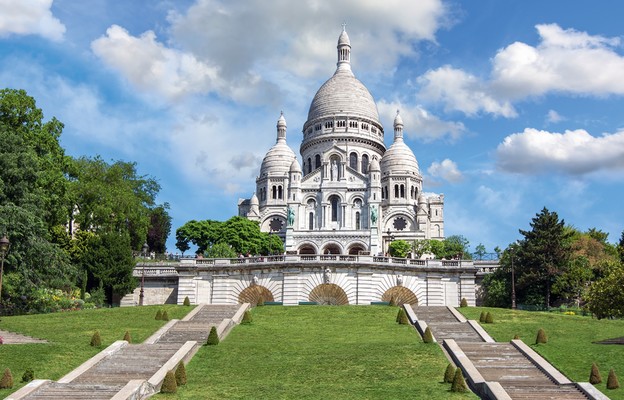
{"x": 123, "y": 365}
{"x": 16, "y": 338}
{"x": 496, "y": 362}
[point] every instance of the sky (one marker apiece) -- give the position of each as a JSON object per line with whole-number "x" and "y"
{"x": 509, "y": 106}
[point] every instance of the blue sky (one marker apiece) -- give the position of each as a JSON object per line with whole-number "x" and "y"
{"x": 509, "y": 106}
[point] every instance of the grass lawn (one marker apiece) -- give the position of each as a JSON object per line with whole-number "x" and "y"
{"x": 570, "y": 338}
{"x": 319, "y": 352}
{"x": 69, "y": 334}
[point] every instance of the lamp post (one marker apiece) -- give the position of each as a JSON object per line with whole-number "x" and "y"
{"x": 144, "y": 251}
{"x": 390, "y": 239}
{"x": 513, "y": 281}
{"x": 5, "y": 245}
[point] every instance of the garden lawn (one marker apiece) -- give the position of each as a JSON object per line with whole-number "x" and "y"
{"x": 69, "y": 335}
{"x": 570, "y": 344}
{"x": 319, "y": 352}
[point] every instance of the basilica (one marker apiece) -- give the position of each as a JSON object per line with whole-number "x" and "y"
{"x": 349, "y": 194}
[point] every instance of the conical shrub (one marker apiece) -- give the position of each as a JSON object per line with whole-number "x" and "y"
{"x": 594, "y": 375}
{"x": 213, "y": 337}
{"x": 489, "y": 319}
{"x": 392, "y": 302}
{"x": 402, "y": 317}
{"x": 96, "y": 339}
{"x": 260, "y": 302}
{"x": 463, "y": 302}
{"x": 612, "y": 380}
{"x": 169, "y": 384}
{"x": 180, "y": 374}
{"x": 482, "y": 317}
{"x": 541, "y": 337}
{"x": 428, "y": 336}
{"x": 127, "y": 337}
{"x": 449, "y": 374}
{"x": 28, "y": 375}
{"x": 459, "y": 384}
{"x": 158, "y": 316}
{"x": 516, "y": 337}
{"x": 186, "y": 302}
{"x": 7, "y": 380}
{"x": 246, "y": 317}
{"x": 164, "y": 316}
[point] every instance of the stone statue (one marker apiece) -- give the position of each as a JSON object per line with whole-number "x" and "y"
{"x": 334, "y": 171}
{"x": 327, "y": 276}
{"x": 291, "y": 216}
{"x": 399, "y": 280}
{"x": 373, "y": 215}
{"x": 254, "y": 280}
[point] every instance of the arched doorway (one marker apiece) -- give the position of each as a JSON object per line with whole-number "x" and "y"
{"x": 332, "y": 248}
{"x": 401, "y": 295}
{"x": 307, "y": 249}
{"x": 328, "y": 294}
{"x": 355, "y": 249}
{"x": 253, "y": 294}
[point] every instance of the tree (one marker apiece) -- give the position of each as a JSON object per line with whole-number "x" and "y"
{"x": 480, "y": 251}
{"x": 606, "y": 297}
{"x": 159, "y": 228}
{"x": 456, "y": 246}
{"x": 399, "y": 248}
{"x": 620, "y": 248}
{"x": 437, "y": 248}
{"x": 220, "y": 250}
{"x": 420, "y": 247}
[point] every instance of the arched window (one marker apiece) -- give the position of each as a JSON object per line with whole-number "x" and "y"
{"x": 412, "y": 192}
{"x": 311, "y": 221}
{"x": 279, "y": 192}
{"x": 334, "y": 207}
{"x": 386, "y": 190}
{"x": 309, "y": 165}
{"x": 357, "y": 220}
{"x": 396, "y": 191}
{"x": 364, "y": 163}
{"x": 274, "y": 192}
{"x": 353, "y": 161}
{"x": 402, "y": 191}
{"x": 317, "y": 161}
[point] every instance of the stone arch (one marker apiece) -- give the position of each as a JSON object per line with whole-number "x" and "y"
{"x": 307, "y": 248}
{"x": 254, "y": 293}
{"x": 329, "y": 294}
{"x": 401, "y": 295}
{"x": 356, "y": 248}
{"x": 332, "y": 248}
{"x": 275, "y": 223}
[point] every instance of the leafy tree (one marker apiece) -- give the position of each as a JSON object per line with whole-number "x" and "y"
{"x": 159, "y": 228}
{"x": 572, "y": 284}
{"x": 399, "y": 248}
{"x": 456, "y": 246}
{"x": 420, "y": 247}
{"x": 220, "y": 250}
{"x": 620, "y": 248}
{"x": 480, "y": 251}
{"x": 606, "y": 297}
{"x": 437, "y": 248}
{"x": 202, "y": 234}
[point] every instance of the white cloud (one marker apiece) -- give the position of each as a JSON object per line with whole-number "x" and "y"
{"x": 447, "y": 170}
{"x": 502, "y": 202}
{"x": 461, "y": 91}
{"x": 419, "y": 123}
{"x": 30, "y": 17}
{"x": 572, "y": 152}
{"x": 553, "y": 117}
{"x": 565, "y": 60}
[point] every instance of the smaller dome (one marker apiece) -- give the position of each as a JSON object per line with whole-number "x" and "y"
{"x": 254, "y": 200}
{"x": 281, "y": 122}
{"x": 374, "y": 165}
{"x": 398, "y": 120}
{"x": 278, "y": 159}
{"x": 295, "y": 167}
{"x": 344, "y": 38}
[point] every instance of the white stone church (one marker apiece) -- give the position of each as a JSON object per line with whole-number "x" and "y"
{"x": 353, "y": 195}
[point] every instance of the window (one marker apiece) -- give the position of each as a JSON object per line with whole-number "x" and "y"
{"x": 364, "y": 126}
{"x": 309, "y": 165}
{"x": 341, "y": 124}
{"x": 357, "y": 220}
{"x": 317, "y": 127}
{"x": 374, "y": 130}
{"x": 334, "y": 207}
{"x": 274, "y": 192}
{"x": 317, "y": 161}
{"x": 279, "y": 192}
{"x": 402, "y": 191}
{"x": 311, "y": 221}
{"x": 396, "y": 191}
{"x": 364, "y": 163}
{"x": 353, "y": 124}
{"x": 353, "y": 161}
{"x": 329, "y": 124}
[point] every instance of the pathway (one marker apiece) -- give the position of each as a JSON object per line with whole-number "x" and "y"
{"x": 16, "y": 338}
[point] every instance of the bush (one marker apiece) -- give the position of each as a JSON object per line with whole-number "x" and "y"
{"x": 612, "y": 380}
{"x": 392, "y": 302}
{"x": 463, "y": 302}
{"x": 489, "y": 319}
{"x": 180, "y": 374}
{"x": 449, "y": 374}
{"x": 169, "y": 384}
{"x": 516, "y": 337}
{"x": 29, "y": 375}
{"x": 127, "y": 337}
{"x": 186, "y": 302}
{"x": 213, "y": 337}
{"x": 402, "y": 317}
{"x": 158, "y": 316}
{"x": 594, "y": 375}
{"x": 482, "y": 317}
{"x": 541, "y": 337}
{"x": 7, "y": 380}
{"x": 96, "y": 340}
{"x": 260, "y": 302}
{"x": 459, "y": 384}
{"x": 164, "y": 316}
{"x": 246, "y": 318}
{"x": 428, "y": 336}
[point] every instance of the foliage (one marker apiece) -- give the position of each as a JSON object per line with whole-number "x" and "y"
{"x": 402, "y": 317}
{"x": 541, "y": 337}
{"x": 463, "y": 302}
{"x": 482, "y": 317}
{"x": 480, "y": 251}
{"x": 158, "y": 316}
{"x": 169, "y": 384}
{"x": 459, "y": 384}
{"x": 392, "y": 302}
{"x": 165, "y": 316}
{"x": 159, "y": 228}
{"x": 213, "y": 337}
{"x": 96, "y": 340}
{"x": 220, "y": 250}
{"x": 28, "y": 375}
{"x": 594, "y": 375}
{"x": 180, "y": 374}
{"x": 127, "y": 337}
{"x": 428, "y": 336}
{"x": 516, "y": 337}
{"x": 399, "y": 248}
{"x": 449, "y": 373}
{"x": 421, "y": 247}
{"x": 246, "y": 317}
{"x": 606, "y": 297}
{"x": 7, "y": 380}
{"x": 456, "y": 246}
{"x": 489, "y": 319}
{"x": 612, "y": 380}
{"x": 186, "y": 302}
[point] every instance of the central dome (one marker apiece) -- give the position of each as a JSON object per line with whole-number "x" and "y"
{"x": 343, "y": 93}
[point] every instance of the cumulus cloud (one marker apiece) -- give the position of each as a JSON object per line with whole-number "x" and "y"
{"x": 572, "y": 152}
{"x": 30, "y": 17}
{"x": 419, "y": 123}
{"x": 446, "y": 170}
{"x": 553, "y": 117}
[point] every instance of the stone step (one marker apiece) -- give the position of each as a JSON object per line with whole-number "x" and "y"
{"x": 73, "y": 391}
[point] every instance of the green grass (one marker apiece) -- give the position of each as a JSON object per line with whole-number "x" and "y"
{"x": 319, "y": 352}
{"x": 69, "y": 334}
{"x": 570, "y": 344}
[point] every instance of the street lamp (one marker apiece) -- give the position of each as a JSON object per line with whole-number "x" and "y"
{"x": 5, "y": 245}
{"x": 390, "y": 239}
{"x": 144, "y": 251}
{"x": 513, "y": 281}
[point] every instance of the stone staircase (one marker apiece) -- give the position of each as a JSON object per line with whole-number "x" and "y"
{"x": 444, "y": 325}
{"x": 123, "y": 365}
